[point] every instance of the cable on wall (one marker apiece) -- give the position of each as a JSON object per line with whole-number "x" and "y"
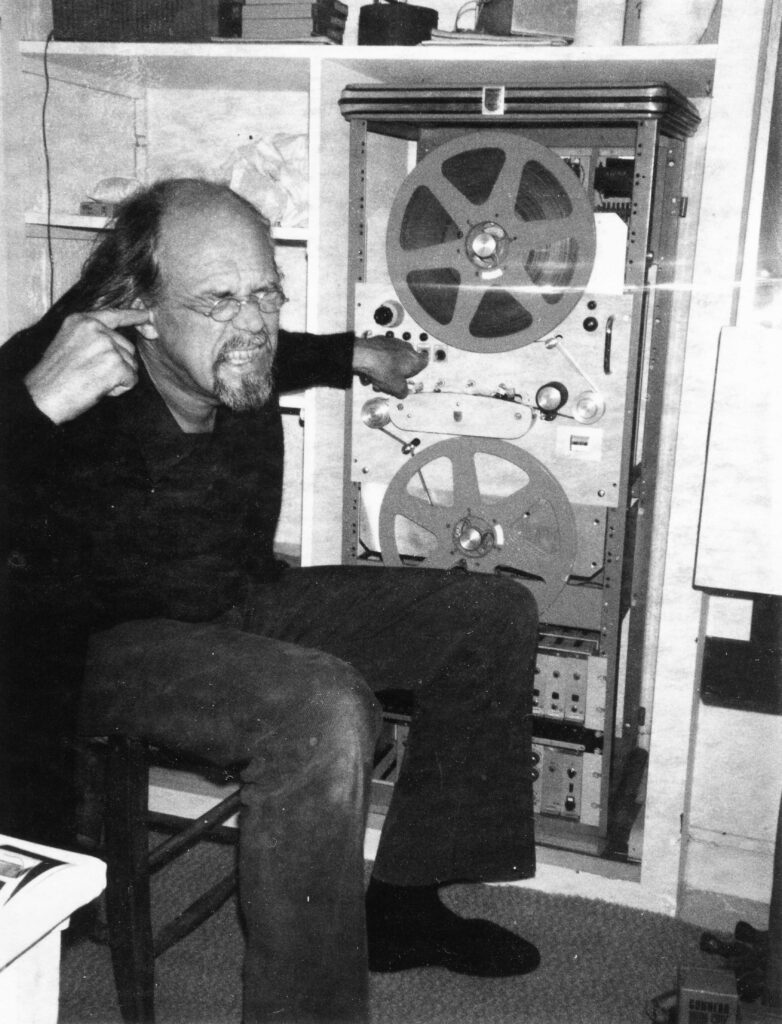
{"x": 45, "y": 142}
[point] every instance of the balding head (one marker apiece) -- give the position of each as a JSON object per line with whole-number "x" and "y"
{"x": 125, "y": 267}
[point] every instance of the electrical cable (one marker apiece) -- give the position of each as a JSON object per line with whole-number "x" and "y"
{"x": 469, "y": 6}
{"x": 47, "y": 163}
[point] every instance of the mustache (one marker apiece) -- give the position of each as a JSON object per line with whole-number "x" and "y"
{"x": 241, "y": 341}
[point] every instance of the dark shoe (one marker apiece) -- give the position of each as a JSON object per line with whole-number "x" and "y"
{"x": 475, "y": 947}
{"x": 436, "y": 937}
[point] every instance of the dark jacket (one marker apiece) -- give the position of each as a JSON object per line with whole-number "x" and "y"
{"x": 115, "y": 515}
{"x": 119, "y": 514}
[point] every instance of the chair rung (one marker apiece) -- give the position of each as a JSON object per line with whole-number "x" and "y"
{"x": 169, "y": 824}
{"x": 195, "y": 914}
{"x": 170, "y": 848}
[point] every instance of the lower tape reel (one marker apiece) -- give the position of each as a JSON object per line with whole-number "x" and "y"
{"x": 485, "y": 505}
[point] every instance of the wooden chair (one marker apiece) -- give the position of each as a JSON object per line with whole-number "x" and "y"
{"x": 132, "y": 861}
{"x": 123, "y": 815}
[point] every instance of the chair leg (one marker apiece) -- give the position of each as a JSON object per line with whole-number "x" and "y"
{"x": 127, "y": 890}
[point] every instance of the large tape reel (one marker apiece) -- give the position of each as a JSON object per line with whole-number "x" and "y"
{"x": 490, "y": 241}
{"x": 527, "y": 526}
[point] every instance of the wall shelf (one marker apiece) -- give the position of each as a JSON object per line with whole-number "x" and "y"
{"x": 690, "y": 69}
{"x": 36, "y": 227}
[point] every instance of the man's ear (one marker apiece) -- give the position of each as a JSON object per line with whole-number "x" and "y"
{"x": 147, "y": 331}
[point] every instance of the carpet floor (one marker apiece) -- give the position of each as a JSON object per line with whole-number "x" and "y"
{"x": 601, "y": 964}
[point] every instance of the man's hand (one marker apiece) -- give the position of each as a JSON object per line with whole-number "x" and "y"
{"x": 87, "y": 360}
{"x": 387, "y": 363}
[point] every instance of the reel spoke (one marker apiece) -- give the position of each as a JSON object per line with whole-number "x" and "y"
{"x": 468, "y": 301}
{"x": 435, "y": 257}
{"x": 466, "y": 489}
{"x": 455, "y": 203}
{"x": 506, "y": 189}
{"x": 429, "y": 517}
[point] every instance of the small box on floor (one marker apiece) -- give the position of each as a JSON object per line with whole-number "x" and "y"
{"x": 707, "y": 996}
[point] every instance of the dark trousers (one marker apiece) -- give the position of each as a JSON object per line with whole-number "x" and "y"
{"x": 285, "y": 686}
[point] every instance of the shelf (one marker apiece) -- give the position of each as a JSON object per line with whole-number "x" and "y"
{"x": 36, "y": 224}
{"x": 126, "y": 68}
{"x": 690, "y": 69}
{"x": 287, "y": 67}
{"x": 33, "y": 220}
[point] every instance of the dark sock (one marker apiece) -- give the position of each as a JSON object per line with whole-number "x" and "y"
{"x": 409, "y": 926}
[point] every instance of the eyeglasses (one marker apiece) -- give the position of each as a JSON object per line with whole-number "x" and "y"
{"x": 270, "y": 300}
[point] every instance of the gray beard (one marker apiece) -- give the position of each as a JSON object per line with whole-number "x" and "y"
{"x": 253, "y": 389}
{"x": 252, "y": 393}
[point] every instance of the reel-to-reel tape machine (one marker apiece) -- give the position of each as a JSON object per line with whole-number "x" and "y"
{"x": 514, "y": 255}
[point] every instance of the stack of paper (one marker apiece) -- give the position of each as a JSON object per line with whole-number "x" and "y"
{"x": 467, "y": 37}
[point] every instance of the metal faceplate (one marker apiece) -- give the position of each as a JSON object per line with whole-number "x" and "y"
{"x": 466, "y": 394}
{"x": 444, "y": 480}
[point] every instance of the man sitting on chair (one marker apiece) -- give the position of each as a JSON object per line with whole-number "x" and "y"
{"x": 142, "y": 448}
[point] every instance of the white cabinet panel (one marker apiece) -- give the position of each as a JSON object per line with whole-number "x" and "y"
{"x": 740, "y": 540}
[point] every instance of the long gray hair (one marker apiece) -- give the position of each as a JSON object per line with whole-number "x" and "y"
{"x": 123, "y": 266}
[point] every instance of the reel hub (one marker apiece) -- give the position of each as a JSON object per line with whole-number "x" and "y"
{"x": 487, "y": 245}
{"x": 473, "y": 536}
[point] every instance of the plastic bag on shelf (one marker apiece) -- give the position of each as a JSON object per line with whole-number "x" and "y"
{"x": 271, "y": 172}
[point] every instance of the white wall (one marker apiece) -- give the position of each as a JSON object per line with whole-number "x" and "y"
{"x": 730, "y": 796}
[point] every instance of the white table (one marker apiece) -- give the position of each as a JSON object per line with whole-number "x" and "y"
{"x": 31, "y": 924}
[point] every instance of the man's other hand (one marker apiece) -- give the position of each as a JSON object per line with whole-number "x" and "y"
{"x": 87, "y": 360}
{"x": 387, "y": 363}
